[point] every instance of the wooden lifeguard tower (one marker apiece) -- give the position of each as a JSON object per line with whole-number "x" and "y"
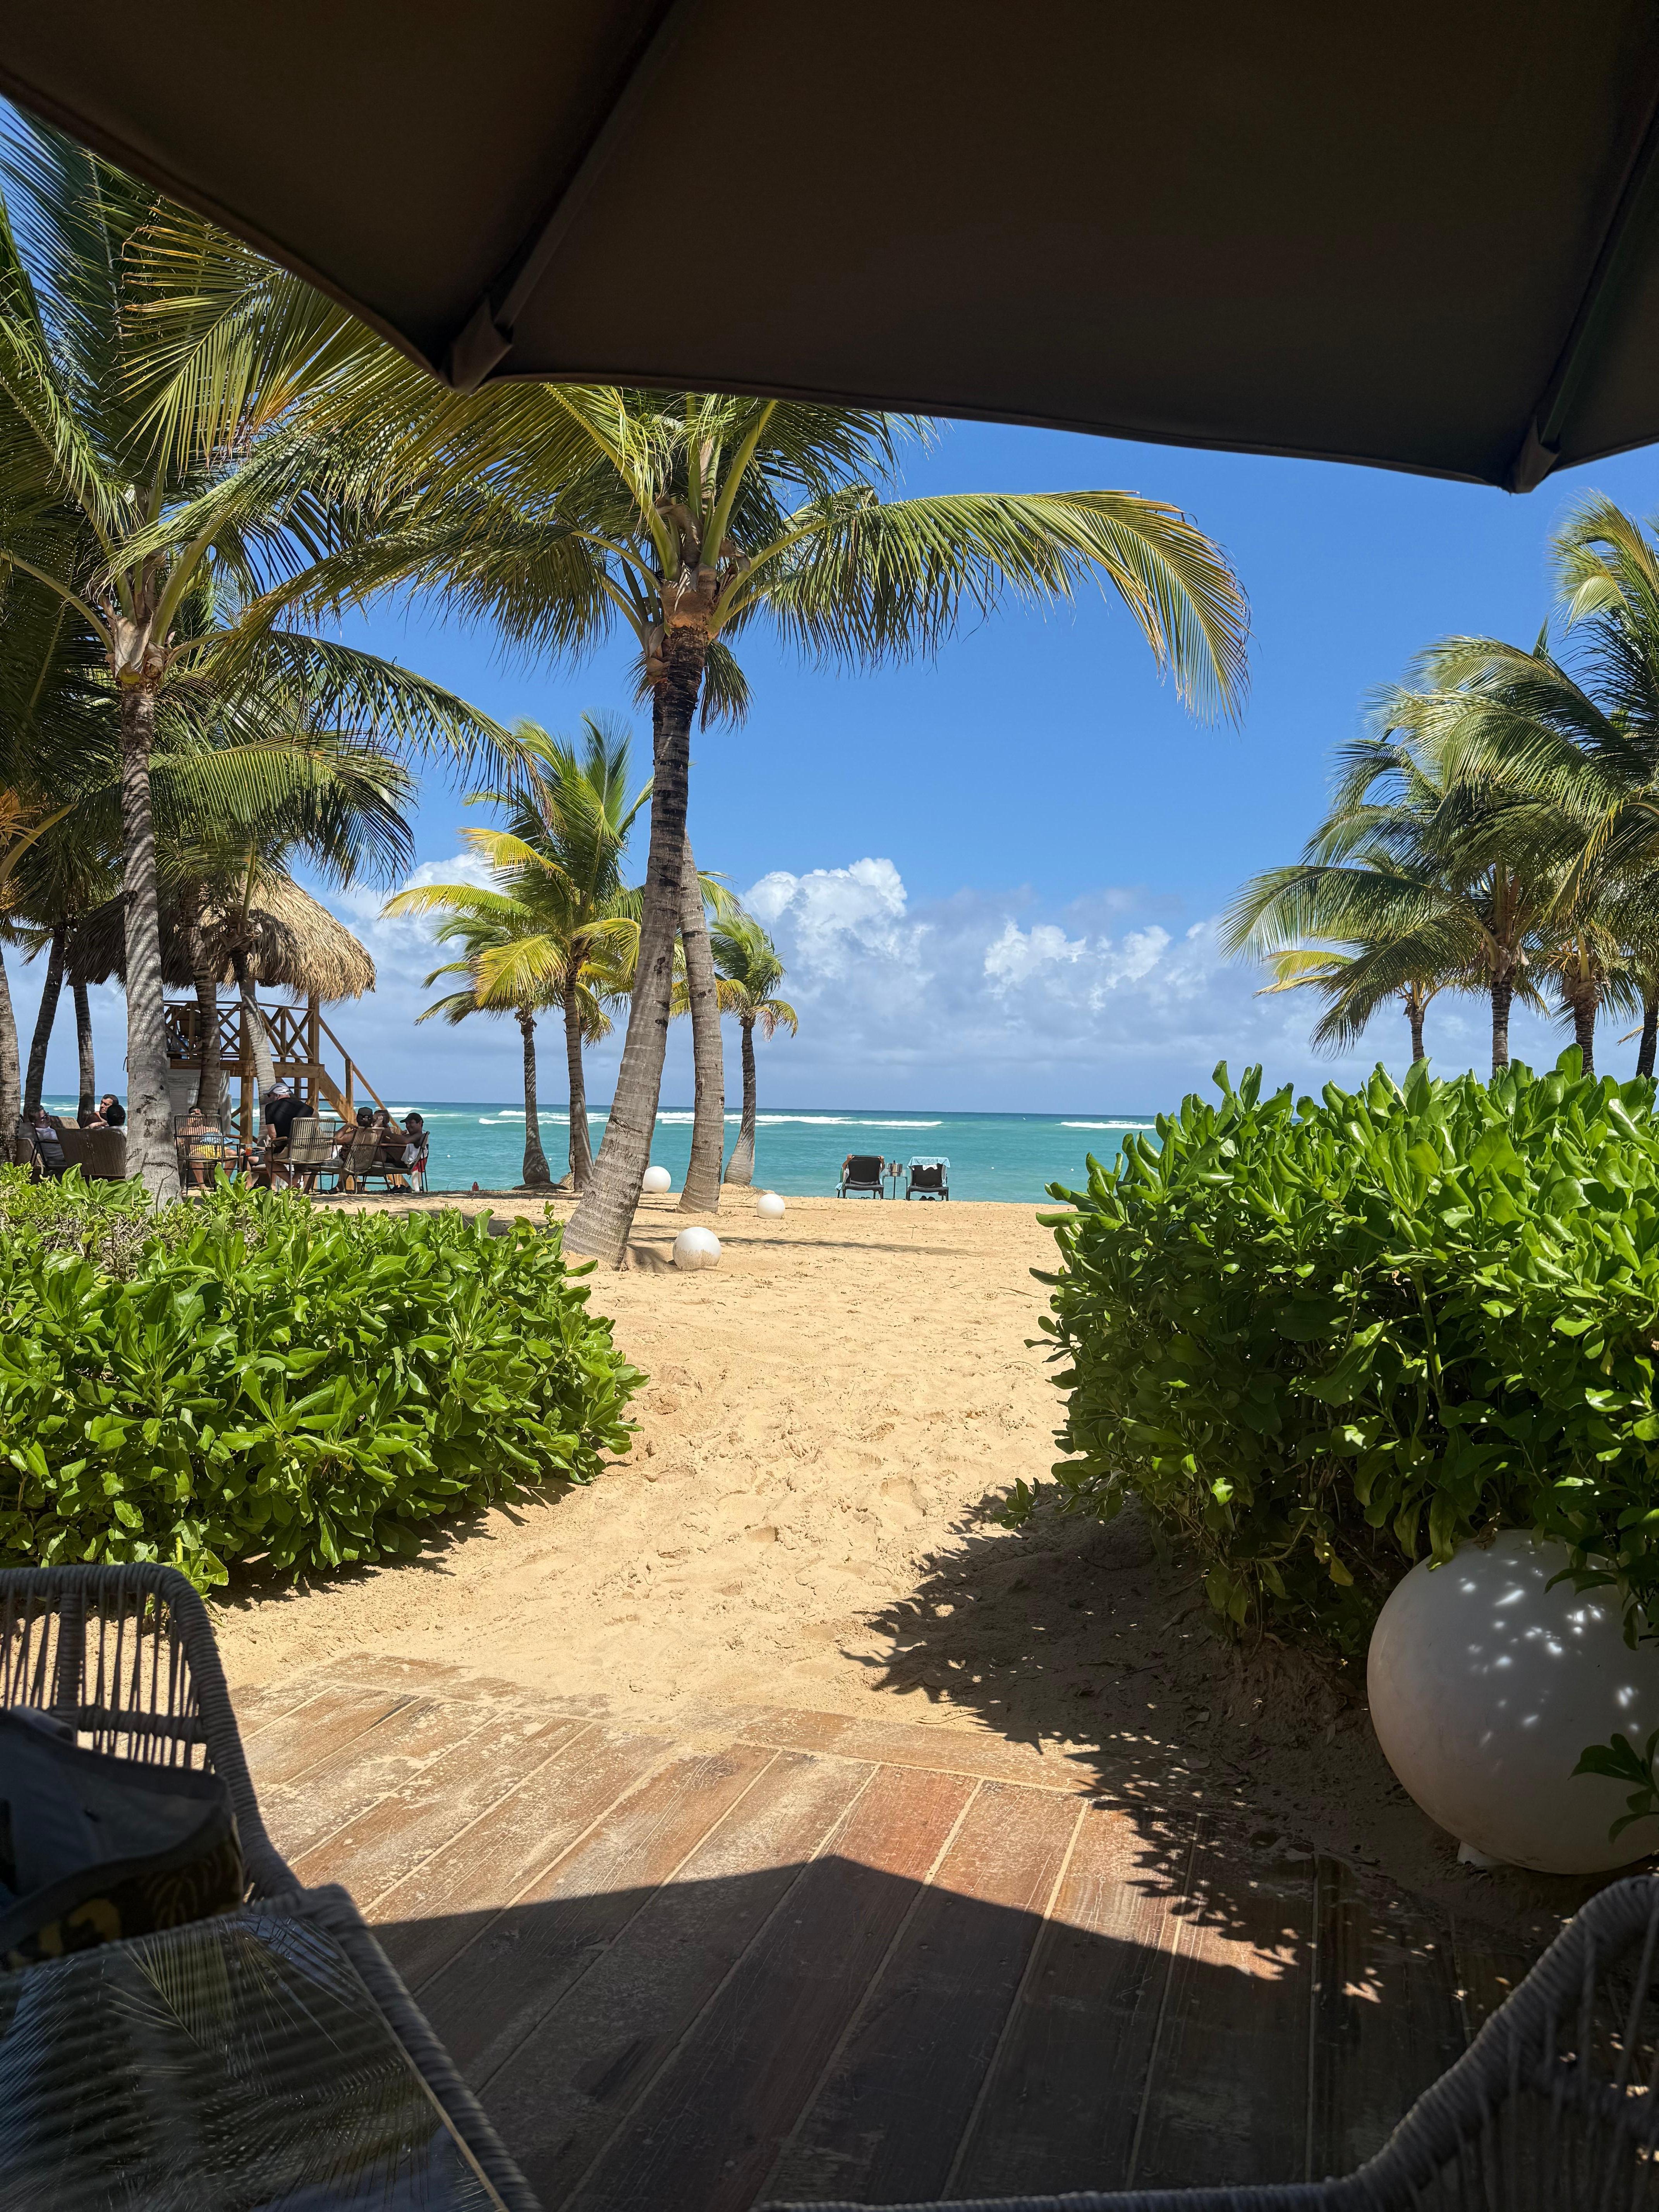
{"x": 283, "y": 940}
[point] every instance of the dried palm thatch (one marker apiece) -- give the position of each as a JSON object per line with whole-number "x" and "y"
{"x": 287, "y": 940}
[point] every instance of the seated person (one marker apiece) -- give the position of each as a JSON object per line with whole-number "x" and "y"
{"x": 112, "y": 1114}
{"x": 283, "y": 1110}
{"x": 194, "y": 1131}
{"x": 411, "y": 1152}
{"x": 48, "y": 1146}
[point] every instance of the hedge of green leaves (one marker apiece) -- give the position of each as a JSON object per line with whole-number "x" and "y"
{"x": 1319, "y": 1340}
{"x": 251, "y": 1377}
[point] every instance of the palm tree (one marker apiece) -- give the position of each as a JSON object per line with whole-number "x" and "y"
{"x": 569, "y": 815}
{"x": 23, "y": 822}
{"x": 750, "y": 971}
{"x": 1409, "y": 887}
{"x": 558, "y": 512}
{"x": 506, "y": 959}
{"x": 68, "y": 873}
{"x": 166, "y": 497}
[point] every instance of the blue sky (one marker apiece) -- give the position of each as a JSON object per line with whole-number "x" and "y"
{"x": 992, "y": 875}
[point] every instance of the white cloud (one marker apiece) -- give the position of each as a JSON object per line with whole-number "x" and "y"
{"x": 978, "y": 1000}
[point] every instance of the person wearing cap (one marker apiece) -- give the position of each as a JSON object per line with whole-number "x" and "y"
{"x": 283, "y": 1110}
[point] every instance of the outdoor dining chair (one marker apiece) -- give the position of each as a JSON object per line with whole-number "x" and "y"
{"x": 861, "y": 1175}
{"x": 268, "y": 2055}
{"x": 1554, "y": 2107}
{"x": 310, "y": 1150}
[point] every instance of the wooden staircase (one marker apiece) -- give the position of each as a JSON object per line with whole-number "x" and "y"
{"x": 300, "y": 1043}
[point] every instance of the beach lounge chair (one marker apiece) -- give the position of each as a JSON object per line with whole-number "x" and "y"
{"x": 266, "y": 2055}
{"x": 356, "y": 1159}
{"x": 1552, "y": 2106}
{"x": 929, "y": 1178}
{"x": 861, "y": 1175}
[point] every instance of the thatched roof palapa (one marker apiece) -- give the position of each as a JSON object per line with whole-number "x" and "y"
{"x": 292, "y": 943}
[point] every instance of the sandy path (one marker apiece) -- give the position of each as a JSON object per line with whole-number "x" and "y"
{"x": 805, "y": 1520}
{"x": 825, "y": 1409}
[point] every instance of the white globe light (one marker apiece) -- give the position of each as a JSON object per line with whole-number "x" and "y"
{"x": 769, "y": 1204}
{"x": 656, "y": 1179}
{"x": 696, "y": 1247}
{"x": 1485, "y": 1686}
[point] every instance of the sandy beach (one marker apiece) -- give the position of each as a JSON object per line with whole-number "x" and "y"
{"x": 806, "y": 1519}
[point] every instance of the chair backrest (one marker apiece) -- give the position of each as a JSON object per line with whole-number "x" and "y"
{"x": 863, "y": 1167}
{"x": 359, "y": 1155}
{"x": 925, "y": 1175}
{"x": 125, "y": 1656}
{"x": 104, "y": 1154}
{"x": 309, "y": 1144}
{"x": 74, "y": 1142}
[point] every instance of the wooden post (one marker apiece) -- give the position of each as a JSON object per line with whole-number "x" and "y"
{"x": 349, "y": 1107}
{"x": 314, "y": 1052}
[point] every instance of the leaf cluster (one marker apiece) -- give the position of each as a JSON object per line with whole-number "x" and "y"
{"x": 253, "y": 1379}
{"x": 1319, "y": 1340}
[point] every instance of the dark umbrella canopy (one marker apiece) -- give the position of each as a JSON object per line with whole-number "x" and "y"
{"x": 1423, "y": 235}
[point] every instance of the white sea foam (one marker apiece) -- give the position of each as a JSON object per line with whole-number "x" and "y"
{"x": 1108, "y": 1125}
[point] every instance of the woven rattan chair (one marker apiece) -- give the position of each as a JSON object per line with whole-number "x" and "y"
{"x": 1554, "y": 2107}
{"x": 125, "y": 1656}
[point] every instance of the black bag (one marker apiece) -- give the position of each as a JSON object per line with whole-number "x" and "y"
{"x": 94, "y": 1848}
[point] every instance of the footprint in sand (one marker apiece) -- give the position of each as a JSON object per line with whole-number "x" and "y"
{"x": 900, "y": 1501}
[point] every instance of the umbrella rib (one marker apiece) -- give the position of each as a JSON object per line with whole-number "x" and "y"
{"x": 485, "y": 339}
{"x": 1542, "y": 448}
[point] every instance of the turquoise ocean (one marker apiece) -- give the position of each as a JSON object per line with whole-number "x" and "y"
{"x": 798, "y": 1150}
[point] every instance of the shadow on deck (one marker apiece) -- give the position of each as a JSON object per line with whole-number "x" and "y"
{"x": 758, "y": 1953}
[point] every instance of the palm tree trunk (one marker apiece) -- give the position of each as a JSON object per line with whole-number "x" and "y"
{"x": 701, "y": 1194}
{"x": 253, "y": 1023}
{"x": 1584, "y": 998}
{"x": 740, "y": 1168}
{"x": 1503, "y": 992}
{"x": 150, "y": 1153}
{"x": 11, "y": 1084}
{"x": 83, "y": 1051}
{"x": 538, "y": 1175}
{"x": 582, "y": 1144}
{"x": 50, "y": 993}
{"x": 207, "y": 1031}
{"x": 601, "y": 1223}
{"x": 1414, "y": 1011}
{"x": 1644, "y": 1051}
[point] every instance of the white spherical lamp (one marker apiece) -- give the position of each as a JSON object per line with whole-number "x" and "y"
{"x": 769, "y": 1205}
{"x": 1485, "y": 1684}
{"x": 696, "y": 1247}
{"x": 656, "y": 1179}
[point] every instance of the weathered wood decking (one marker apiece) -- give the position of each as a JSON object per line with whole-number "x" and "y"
{"x": 788, "y": 1954}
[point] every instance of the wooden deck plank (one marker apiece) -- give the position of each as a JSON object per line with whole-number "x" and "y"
{"x": 496, "y": 1991}
{"x": 1488, "y": 1969}
{"x": 314, "y": 1731}
{"x": 1239, "y": 1986}
{"x": 1061, "y": 2108}
{"x": 426, "y": 1920}
{"x": 709, "y": 2131}
{"x": 974, "y": 1752}
{"x": 257, "y": 1704}
{"x": 567, "y": 2089}
{"x": 381, "y": 1842}
{"x": 301, "y": 1812}
{"x": 1386, "y": 2020}
{"x": 886, "y": 2126}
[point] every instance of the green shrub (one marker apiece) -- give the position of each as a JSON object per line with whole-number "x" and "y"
{"x": 250, "y": 1377}
{"x": 1318, "y": 1341}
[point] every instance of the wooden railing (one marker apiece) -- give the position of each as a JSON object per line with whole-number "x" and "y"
{"x": 297, "y": 1035}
